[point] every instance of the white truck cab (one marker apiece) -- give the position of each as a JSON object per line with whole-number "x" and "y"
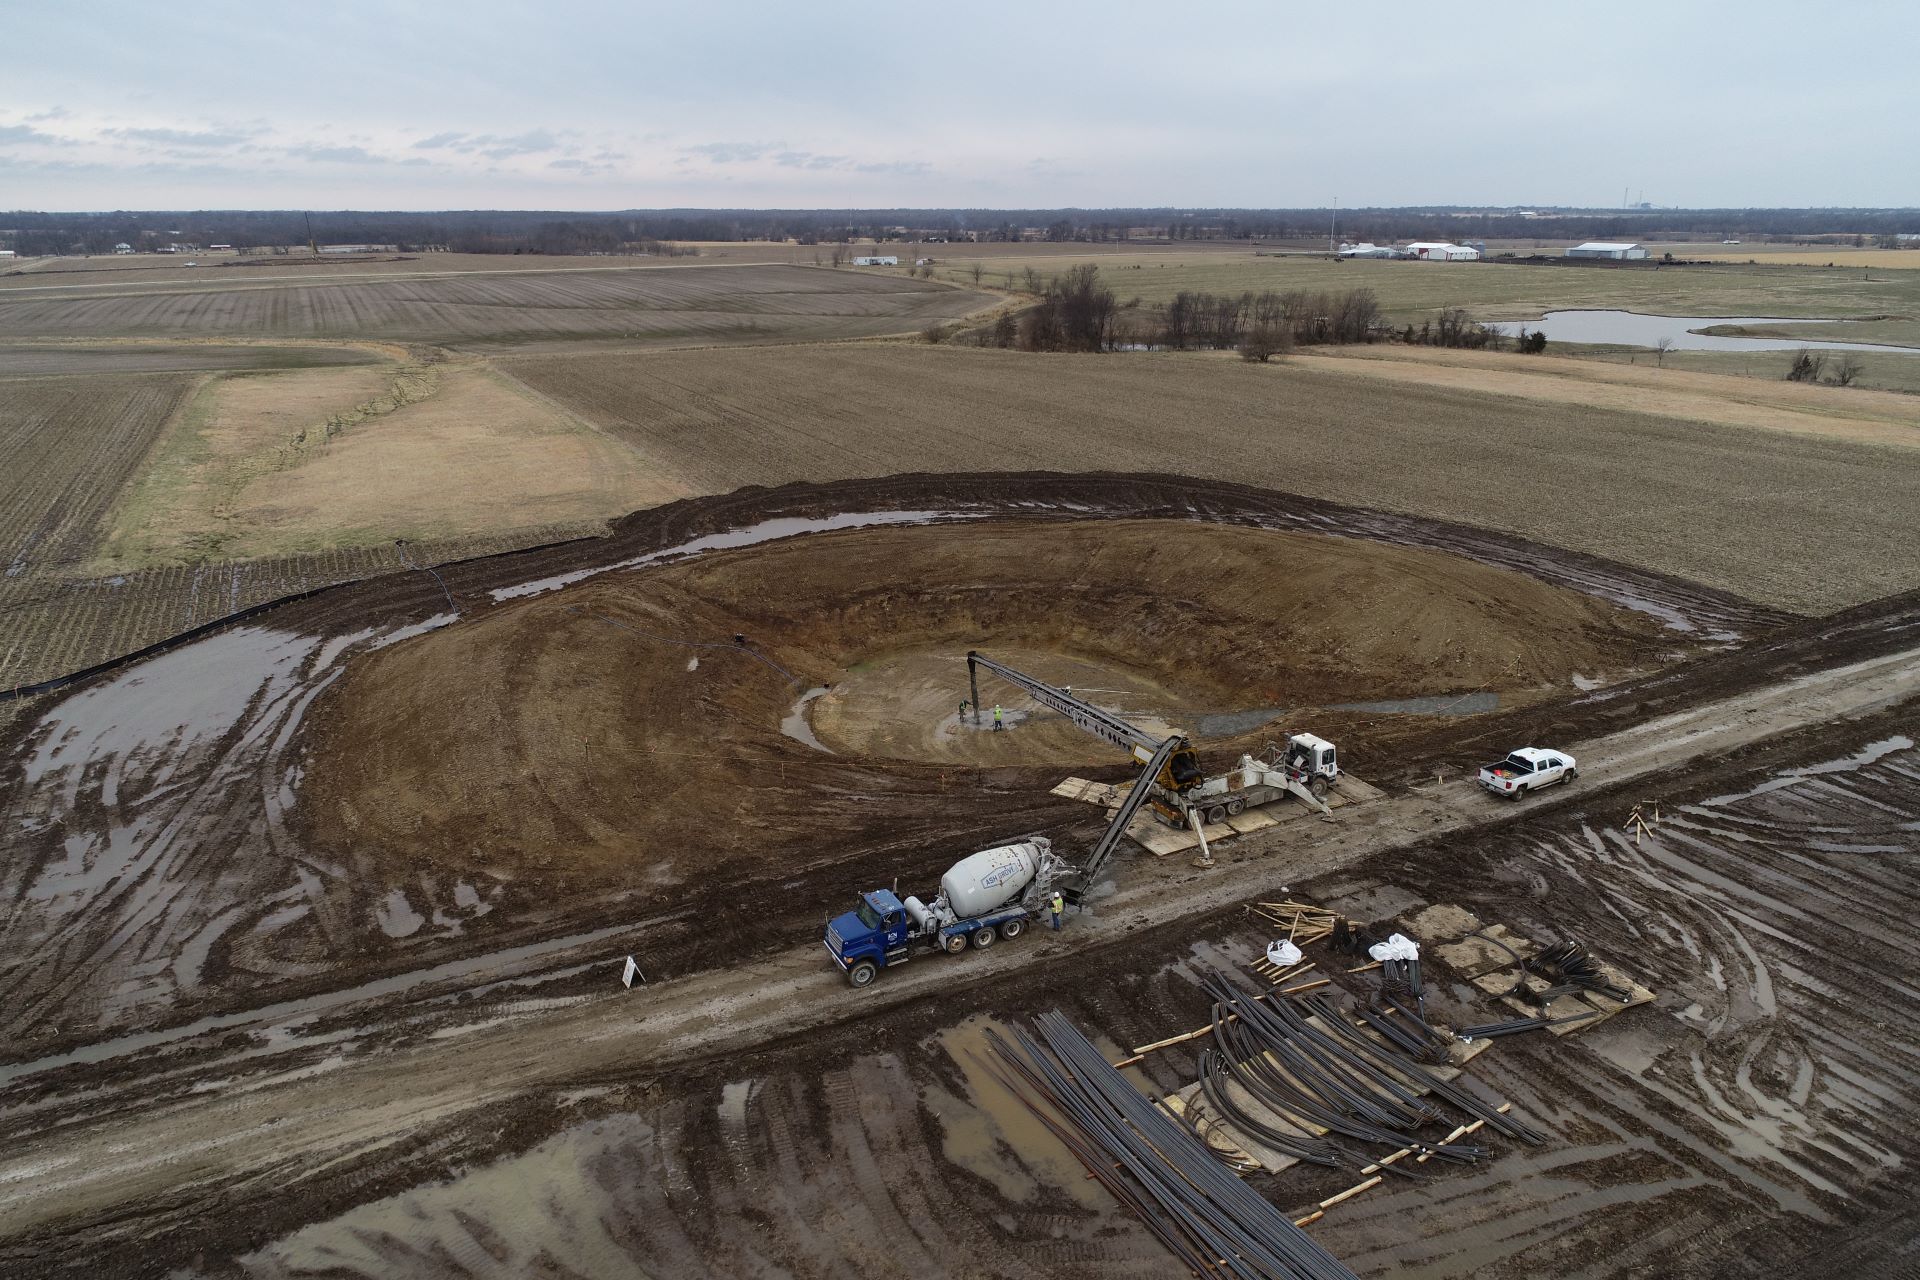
{"x": 1527, "y": 769}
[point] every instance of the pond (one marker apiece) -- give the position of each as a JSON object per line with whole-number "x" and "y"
{"x": 1632, "y": 329}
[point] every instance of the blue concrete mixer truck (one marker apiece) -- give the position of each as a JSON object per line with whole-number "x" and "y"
{"x": 994, "y": 893}
{"x": 983, "y": 897}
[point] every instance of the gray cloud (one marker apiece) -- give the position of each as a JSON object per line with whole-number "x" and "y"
{"x": 179, "y": 137}
{"x": 491, "y": 145}
{"x": 23, "y": 133}
{"x": 904, "y": 168}
{"x": 735, "y": 152}
{"x": 338, "y": 155}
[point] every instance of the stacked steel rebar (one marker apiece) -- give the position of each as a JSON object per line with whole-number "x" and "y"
{"x": 1307, "y": 1061}
{"x": 1206, "y": 1215}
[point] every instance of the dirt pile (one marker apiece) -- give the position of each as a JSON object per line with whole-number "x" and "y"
{"x": 616, "y": 729}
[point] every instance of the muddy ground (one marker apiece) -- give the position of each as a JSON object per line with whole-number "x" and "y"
{"x": 1756, "y": 1118}
{"x": 163, "y": 887}
{"x": 161, "y": 867}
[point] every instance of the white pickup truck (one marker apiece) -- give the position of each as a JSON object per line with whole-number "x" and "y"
{"x": 1528, "y": 769}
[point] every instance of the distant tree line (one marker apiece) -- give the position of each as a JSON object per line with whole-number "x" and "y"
{"x": 555, "y": 231}
{"x": 1207, "y": 321}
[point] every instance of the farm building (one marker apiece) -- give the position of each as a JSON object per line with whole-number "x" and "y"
{"x": 1367, "y": 249}
{"x": 886, "y": 260}
{"x": 1606, "y": 249}
{"x": 123, "y": 247}
{"x": 1442, "y": 251}
{"x": 6, "y": 253}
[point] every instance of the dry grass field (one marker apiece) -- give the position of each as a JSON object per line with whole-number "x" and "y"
{"x": 1728, "y": 506}
{"x": 282, "y": 464}
{"x": 687, "y": 305}
{"x": 1852, "y": 413}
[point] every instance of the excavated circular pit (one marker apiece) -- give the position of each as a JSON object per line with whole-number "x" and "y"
{"x": 616, "y": 722}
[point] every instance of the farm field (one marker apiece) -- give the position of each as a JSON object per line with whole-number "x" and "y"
{"x": 656, "y": 305}
{"x": 65, "y": 358}
{"x": 1412, "y": 291}
{"x": 1673, "y": 390}
{"x": 275, "y": 465}
{"x": 1723, "y": 505}
{"x": 67, "y": 445}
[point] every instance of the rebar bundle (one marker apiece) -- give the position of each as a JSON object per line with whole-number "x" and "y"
{"x": 1207, "y": 1216}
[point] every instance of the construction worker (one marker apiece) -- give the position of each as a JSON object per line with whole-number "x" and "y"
{"x": 963, "y": 708}
{"x": 1056, "y": 907}
{"x": 996, "y": 718}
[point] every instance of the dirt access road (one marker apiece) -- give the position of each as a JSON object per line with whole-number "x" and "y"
{"x": 125, "y": 1170}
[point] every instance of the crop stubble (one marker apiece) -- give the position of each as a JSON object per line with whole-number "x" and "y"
{"x": 1801, "y": 523}
{"x": 683, "y": 304}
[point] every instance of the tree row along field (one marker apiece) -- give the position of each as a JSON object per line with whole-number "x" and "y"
{"x": 683, "y": 304}
{"x": 1803, "y": 523}
{"x": 1411, "y": 291}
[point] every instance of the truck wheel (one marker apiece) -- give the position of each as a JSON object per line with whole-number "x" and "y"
{"x": 983, "y": 938}
{"x": 862, "y": 973}
{"x": 1011, "y": 929}
{"x": 1569, "y": 776}
{"x": 956, "y": 944}
{"x": 1234, "y": 807}
{"x": 1216, "y": 815}
{"x": 1520, "y": 792}
{"x": 1319, "y": 787}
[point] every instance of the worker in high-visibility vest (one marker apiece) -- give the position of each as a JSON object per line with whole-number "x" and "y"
{"x": 996, "y": 717}
{"x": 1056, "y": 907}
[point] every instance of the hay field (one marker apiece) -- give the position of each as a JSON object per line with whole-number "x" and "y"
{"x": 1800, "y": 522}
{"x": 656, "y": 305}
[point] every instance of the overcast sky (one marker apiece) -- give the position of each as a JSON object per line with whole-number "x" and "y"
{"x": 606, "y": 105}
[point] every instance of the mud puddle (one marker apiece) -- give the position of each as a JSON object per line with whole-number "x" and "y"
{"x": 750, "y": 535}
{"x": 797, "y": 726}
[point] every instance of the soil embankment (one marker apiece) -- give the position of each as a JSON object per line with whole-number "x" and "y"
{"x": 617, "y": 728}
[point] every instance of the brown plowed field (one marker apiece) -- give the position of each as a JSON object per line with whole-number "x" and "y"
{"x": 1803, "y": 523}
{"x": 656, "y": 305}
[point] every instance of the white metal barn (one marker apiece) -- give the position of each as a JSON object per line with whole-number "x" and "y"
{"x": 1442, "y": 251}
{"x": 888, "y": 260}
{"x": 1607, "y": 249}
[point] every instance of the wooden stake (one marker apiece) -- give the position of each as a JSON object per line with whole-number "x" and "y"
{"x": 1350, "y": 1192}
{"x": 1310, "y": 1219}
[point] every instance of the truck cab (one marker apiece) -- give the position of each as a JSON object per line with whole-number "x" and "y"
{"x": 874, "y": 934}
{"x": 1313, "y": 761}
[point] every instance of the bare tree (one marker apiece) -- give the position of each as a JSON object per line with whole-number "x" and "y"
{"x": 977, "y": 271}
{"x": 1264, "y": 341}
{"x": 839, "y": 256}
{"x": 1807, "y": 366}
{"x": 1660, "y": 349}
{"x": 1845, "y": 370}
